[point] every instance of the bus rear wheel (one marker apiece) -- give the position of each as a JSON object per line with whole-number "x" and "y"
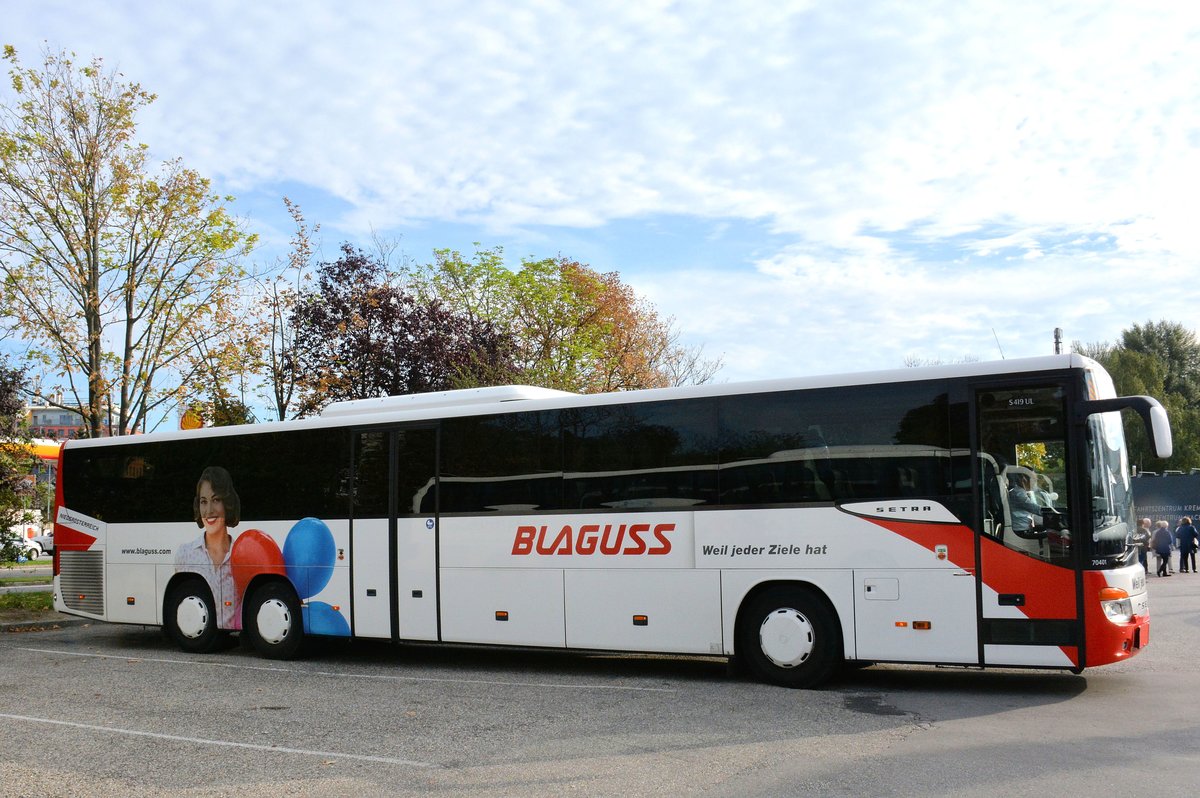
{"x": 190, "y": 617}
{"x": 788, "y": 636}
{"x": 273, "y": 620}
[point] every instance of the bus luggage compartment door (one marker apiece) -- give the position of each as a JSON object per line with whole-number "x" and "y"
{"x": 920, "y": 615}
{"x": 644, "y": 610}
{"x": 506, "y": 606}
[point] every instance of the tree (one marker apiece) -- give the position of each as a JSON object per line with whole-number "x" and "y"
{"x": 561, "y": 322}
{"x": 112, "y": 271}
{"x": 635, "y": 346}
{"x": 1176, "y": 348}
{"x": 275, "y": 324}
{"x": 224, "y": 364}
{"x": 17, "y": 492}
{"x": 575, "y": 328}
{"x": 1145, "y": 371}
{"x": 358, "y": 335}
{"x": 252, "y": 351}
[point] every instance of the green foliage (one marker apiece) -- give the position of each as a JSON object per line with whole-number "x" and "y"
{"x": 574, "y": 328}
{"x": 10, "y": 549}
{"x": 1173, "y": 347}
{"x": 18, "y": 493}
{"x": 222, "y": 410}
{"x": 1036, "y": 457}
{"x": 1162, "y": 360}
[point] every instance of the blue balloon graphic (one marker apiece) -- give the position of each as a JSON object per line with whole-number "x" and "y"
{"x": 322, "y": 619}
{"x": 309, "y": 553}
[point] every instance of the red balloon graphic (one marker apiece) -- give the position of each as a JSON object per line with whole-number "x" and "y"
{"x": 254, "y": 552}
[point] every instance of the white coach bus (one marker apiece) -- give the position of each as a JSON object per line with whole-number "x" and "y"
{"x": 794, "y": 525}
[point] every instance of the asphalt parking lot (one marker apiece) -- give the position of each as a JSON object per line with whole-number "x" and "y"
{"x": 110, "y": 710}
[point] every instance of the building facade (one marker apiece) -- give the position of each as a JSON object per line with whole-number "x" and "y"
{"x": 58, "y": 423}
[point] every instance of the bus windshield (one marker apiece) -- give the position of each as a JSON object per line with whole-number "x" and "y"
{"x": 1112, "y": 499}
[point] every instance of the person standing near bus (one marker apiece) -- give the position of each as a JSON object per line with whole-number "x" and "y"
{"x": 1160, "y": 541}
{"x": 1186, "y": 537}
{"x": 215, "y": 508}
{"x": 1141, "y": 539}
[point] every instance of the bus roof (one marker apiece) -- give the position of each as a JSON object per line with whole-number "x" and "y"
{"x": 439, "y": 399}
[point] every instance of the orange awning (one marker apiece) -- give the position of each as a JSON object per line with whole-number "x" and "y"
{"x": 46, "y": 448}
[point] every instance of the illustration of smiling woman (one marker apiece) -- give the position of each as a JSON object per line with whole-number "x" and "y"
{"x": 215, "y": 509}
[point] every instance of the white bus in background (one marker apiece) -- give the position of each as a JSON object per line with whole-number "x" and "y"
{"x": 793, "y": 525}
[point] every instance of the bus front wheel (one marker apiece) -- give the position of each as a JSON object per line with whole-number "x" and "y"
{"x": 190, "y": 616}
{"x": 273, "y": 620}
{"x": 788, "y": 636}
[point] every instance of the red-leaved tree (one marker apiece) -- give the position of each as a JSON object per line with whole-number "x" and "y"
{"x": 359, "y": 334}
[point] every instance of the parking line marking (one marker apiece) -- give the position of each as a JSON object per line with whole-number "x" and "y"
{"x": 223, "y": 743}
{"x": 389, "y": 677}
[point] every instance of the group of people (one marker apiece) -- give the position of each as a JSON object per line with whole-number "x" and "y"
{"x": 1162, "y": 540}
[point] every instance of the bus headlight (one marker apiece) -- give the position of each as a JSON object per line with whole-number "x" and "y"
{"x": 1117, "y": 605}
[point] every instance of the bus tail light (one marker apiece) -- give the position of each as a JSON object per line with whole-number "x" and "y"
{"x": 1116, "y": 604}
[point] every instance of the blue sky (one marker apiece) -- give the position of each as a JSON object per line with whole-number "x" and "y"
{"x": 807, "y": 187}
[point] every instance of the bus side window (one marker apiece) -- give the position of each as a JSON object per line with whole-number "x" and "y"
{"x": 995, "y": 500}
{"x": 371, "y": 474}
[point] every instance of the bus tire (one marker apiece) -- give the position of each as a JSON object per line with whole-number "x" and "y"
{"x": 190, "y": 616}
{"x": 273, "y": 621}
{"x": 788, "y": 635}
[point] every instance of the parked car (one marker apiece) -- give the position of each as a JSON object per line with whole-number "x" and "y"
{"x": 25, "y": 547}
{"x": 46, "y": 542}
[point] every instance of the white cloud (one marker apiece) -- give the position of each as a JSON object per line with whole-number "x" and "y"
{"x": 800, "y": 314}
{"x": 826, "y": 118}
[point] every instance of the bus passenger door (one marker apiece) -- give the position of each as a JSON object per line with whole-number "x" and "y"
{"x": 415, "y": 534}
{"x": 394, "y": 533}
{"x": 1027, "y": 573}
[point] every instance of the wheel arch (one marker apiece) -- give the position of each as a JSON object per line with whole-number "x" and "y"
{"x": 258, "y": 581}
{"x": 176, "y": 579}
{"x": 273, "y": 599}
{"x": 835, "y": 588}
{"x": 788, "y": 632}
{"x": 811, "y": 588}
{"x": 204, "y": 639}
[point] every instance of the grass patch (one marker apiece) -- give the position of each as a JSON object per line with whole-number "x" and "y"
{"x": 27, "y": 601}
{"x": 26, "y": 580}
